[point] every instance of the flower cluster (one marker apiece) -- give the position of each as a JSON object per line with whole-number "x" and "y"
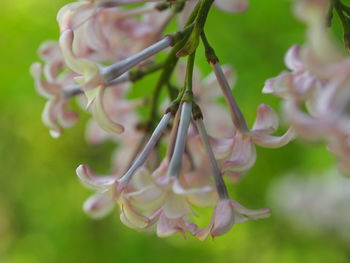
{"x": 315, "y": 90}
{"x": 105, "y": 46}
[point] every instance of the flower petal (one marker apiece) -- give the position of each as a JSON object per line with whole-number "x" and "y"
{"x": 254, "y": 214}
{"x": 232, "y": 6}
{"x": 167, "y": 227}
{"x": 266, "y": 120}
{"x": 98, "y": 206}
{"x": 90, "y": 71}
{"x": 243, "y": 155}
{"x": 66, "y": 117}
{"x": 292, "y": 58}
{"x": 132, "y": 218}
{"x": 223, "y": 218}
{"x": 176, "y": 206}
{"x": 268, "y": 141}
{"x": 91, "y": 180}
{"x": 49, "y": 118}
{"x": 43, "y": 87}
{"x": 280, "y": 85}
{"x": 100, "y": 115}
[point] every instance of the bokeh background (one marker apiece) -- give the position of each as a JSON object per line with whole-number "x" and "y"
{"x": 41, "y": 219}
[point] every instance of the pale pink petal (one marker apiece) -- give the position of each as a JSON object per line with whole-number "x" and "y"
{"x": 254, "y": 214}
{"x": 90, "y": 71}
{"x": 142, "y": 178}
{"x": 222, "y": 147}
{"x": 49, "y": 50}
{"x": 167, "y": 227}
{"x": 49, "y": 118}
{"x": 52, "y": 68}
{"x": 243, "y": 155}
{"x": 43, "y": 87}
{"x": 148, "y": 199}
{"x": 66, "y": 117}
{"x": 268, "y": 141}
{"x": 131, "y": 218}
{"x": 306, "y": 125}
{"x": 223, "y": 218}
{"x": 232, "y": 6}
{"x": 67, "y": 13}
{"x": 280, "y": 86}
{"x": 101, "y": 116}
{"x": 204, "y": 233}
{"x": 98, "y": 206}
{"x": 176, "y": 206}
{"x": 266, "y": 120}
{"x": 88, "y": 177}
{"x": 292, "y": 58}
{"x": 94, "y": 134}
{"x": 220, "y": 127}
{"x": 94, "y": 36}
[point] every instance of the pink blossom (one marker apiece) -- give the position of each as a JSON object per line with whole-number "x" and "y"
{"x": 50, "y": 83}
{"x": 315, "y": 91}
{"x": 226, "y": 214}
{"x": 236, "y": 154}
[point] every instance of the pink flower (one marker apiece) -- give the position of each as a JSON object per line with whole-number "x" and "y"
{"x": 315, "y": 92}
{"x": 237, "y": 154}
{"x": 226, "y": 214}
{"x": 102, "y": 202}
{"x": 105, "y": 33}
{"x": 50, "y": 83}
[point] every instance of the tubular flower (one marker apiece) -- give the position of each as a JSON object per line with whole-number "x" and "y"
{"x": 50, "y": 83}
{"x": 161, "y": 173}
{"x": 237, "y": 154}
{"x": 315, "y": 92}
{"x": 226, "y": 214}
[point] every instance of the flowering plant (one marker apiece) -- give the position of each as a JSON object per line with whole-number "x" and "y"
{"x": 107, "y": 45}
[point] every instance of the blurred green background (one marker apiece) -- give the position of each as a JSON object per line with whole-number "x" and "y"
{"x": 41, "y": 219}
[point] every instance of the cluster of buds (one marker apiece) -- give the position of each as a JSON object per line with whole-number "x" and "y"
{"x": 104, "y": 47}
{"x": 315, "y": 91}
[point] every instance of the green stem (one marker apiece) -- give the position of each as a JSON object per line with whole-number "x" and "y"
{"x": 136, "y": 75}
{"x": 341, "y": 10}
{"x": 200, "y": 20}
{"x": 170, "y": 64}
{"x": 189, "y": 71}
{"x": 209, "y": 51}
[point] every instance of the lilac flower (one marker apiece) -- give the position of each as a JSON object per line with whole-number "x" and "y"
{"x": 115, "y": 185}
{"x": 164, "y": 193}
{"x": 106, "y": 33}
{"x": 227, "y": 212}
{"x": 50, "y": 83}
{"x": 95, "y": 80}
{"x": 101, "y": 203}
{"x": 237, "y": 154}
{"x": 315, "y": 92}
